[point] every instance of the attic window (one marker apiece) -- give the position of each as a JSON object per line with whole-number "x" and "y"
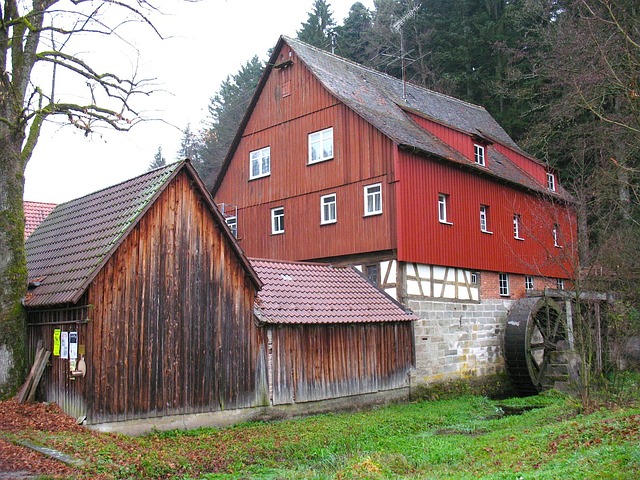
{"x": 479, "y": 154}
{"x": 551, "y": 181}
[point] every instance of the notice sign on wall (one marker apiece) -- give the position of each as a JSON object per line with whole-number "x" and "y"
{"x": 56, "y": 342}
{"x": 73, "y": 345}
{"x": 64, "y": 345}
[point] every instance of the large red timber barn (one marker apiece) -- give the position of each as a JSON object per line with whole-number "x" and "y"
{"x": 153, "y": 314}
{"x": 426, "y": 194}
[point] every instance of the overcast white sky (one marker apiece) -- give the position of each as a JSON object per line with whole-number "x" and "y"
{"x": 210, "y": 40}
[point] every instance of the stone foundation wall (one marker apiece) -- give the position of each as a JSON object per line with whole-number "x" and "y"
{"x": 458, "y": 340}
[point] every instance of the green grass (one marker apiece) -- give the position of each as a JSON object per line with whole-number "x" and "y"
{"x": 467, "y": 437}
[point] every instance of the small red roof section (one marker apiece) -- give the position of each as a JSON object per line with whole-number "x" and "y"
{"x": 295, "y": 293}
{"x": 34, "y": 214}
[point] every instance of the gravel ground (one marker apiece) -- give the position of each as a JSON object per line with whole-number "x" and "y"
{"x": 18, "y": 462}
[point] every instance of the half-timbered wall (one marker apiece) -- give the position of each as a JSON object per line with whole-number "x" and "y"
{"x": 318, "y": 362}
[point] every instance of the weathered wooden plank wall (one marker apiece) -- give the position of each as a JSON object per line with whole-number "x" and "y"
{"x": 317, "y": 362}
{"x": 57, "y": 385}
{"x": 172, "y": 329}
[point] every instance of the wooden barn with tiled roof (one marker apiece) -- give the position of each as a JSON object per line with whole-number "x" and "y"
{"x": 425, "y": 193}
{"x": 331, "y": 333}
{"x": 146, "y": 302}
{"x": 149, "y": 308}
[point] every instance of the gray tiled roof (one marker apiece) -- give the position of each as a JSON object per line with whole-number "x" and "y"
{"x": 378, "y": 98}
{"x": 70, "y": 246}
{"x": 297, "y": 292}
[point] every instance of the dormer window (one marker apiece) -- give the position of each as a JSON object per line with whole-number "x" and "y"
{"x": 479, "y": 156}
{"x": 551, "y": 181}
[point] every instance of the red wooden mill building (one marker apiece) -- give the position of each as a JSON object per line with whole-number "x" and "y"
{"x": 426, "y": 194}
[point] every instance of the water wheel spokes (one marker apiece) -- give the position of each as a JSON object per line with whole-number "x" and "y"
{"x": 535, "y": 328}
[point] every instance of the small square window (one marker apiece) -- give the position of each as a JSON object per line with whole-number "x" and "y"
{"x": 277, "y": 220}
{"x": 373, "y": 199}
{"x": 260, "y": 163}
{"x": 528, "y": 282}
{"x": 373, "y": 273}
{"x": 478, "y": 152}
{"x": 504, "y": 284}
{"x": 321, "y": 146}
{"x": 560, "y": 283}
{"x": 328, "y": 209}
{"x": 516, "y": 227}
{"x": 443, "y": 200}
{"x": 551, "y": 181}
{"x": 484, "y": 219}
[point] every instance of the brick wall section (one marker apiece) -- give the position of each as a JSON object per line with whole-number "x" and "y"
{"x": 458, "y": 340}
{"x": 490, "y": 285}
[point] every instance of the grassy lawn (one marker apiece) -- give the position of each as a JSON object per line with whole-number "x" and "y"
{"x": 543, "y": 437}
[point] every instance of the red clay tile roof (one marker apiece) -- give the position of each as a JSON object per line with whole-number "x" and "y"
{"x": 296, "y": 293}
{"x": 70, "y": 246}
{"x": 34, "y": 214}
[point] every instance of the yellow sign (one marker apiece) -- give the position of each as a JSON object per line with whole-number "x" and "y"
{"x": 56, "y": 342}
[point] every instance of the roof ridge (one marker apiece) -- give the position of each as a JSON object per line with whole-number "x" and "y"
{"x": 383, "y": 74}
{"x": 296, "y": 262}
{"x": 170, "y": 167}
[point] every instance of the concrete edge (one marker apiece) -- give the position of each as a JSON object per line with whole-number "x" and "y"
{"x": 228, "y": 418}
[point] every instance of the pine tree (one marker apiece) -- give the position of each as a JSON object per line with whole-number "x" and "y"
{"x": 226, "y": 111}
{"x": 158, "y": 160}
{"x": 352, "y": 41}
{"x": 319, "y": 27}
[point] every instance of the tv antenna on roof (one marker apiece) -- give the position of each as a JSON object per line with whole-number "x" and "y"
{"x": 397, "y": 27}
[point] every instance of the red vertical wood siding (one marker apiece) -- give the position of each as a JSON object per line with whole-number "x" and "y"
{"x": 172, "y": 327}
{"x": 362, "y": 156}
{"x": 463, "y": 143}
{"x": 426, "y": 240}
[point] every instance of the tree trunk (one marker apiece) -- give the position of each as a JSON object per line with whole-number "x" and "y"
{"x": 13, "y": 265}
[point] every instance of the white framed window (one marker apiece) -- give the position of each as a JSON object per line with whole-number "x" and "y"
{"x": 443, "y": 200}
{"x": 484, "y": 219}
{"x": 260, "y": 163}
{"x": 373, "y": 199}
{"x": 328, "y": 209}
{"x": 478, "y": 154}
{"x": 474, "y": 278}
{"x": 277, "y": 220}
{"x": 551, "y": 181}
{"x": 233, "y": 225}
{"x": 560, "y": 283}
{"x": 516, "y": 227}
{"x": 504, "y": 284}
{"x": 528, "y": 282}
{"x": 321, "y": 145}
{"x": 555, "y": 232}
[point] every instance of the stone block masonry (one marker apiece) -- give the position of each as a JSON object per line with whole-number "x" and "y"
{"x": 458, "y": 340}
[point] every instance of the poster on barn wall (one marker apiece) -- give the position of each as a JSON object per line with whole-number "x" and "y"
{"x": 64, "y": 345}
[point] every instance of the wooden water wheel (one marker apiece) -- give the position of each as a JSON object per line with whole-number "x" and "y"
{"x": 534, "y": 342}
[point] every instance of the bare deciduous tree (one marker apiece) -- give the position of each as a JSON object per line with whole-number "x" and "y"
{"x": 32, "y": 34}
